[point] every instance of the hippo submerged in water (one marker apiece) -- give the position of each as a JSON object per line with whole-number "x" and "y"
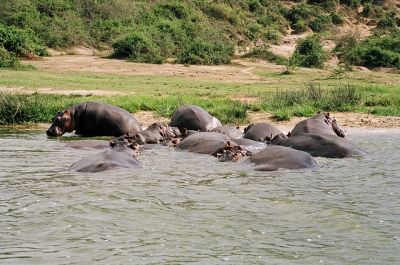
{"x": 324, "y": 145}
{"x": 275, "y": 157}
{"x": 94, "y": 119}
{"x": 120, "y": 155}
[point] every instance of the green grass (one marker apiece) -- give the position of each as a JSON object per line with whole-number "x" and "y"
{"x": 301, "y": 93}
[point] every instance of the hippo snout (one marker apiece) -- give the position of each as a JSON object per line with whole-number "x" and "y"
{"x": 52, "y": 132}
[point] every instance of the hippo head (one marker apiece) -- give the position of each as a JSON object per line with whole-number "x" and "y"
{"x": 232, "y": 152}
{"x": 61, "y": 124}
{"x": 122, "y": 146}
{"x": 335, "y": 127}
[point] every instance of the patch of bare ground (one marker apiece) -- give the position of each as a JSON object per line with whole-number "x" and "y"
{"x": 84, "y": 63}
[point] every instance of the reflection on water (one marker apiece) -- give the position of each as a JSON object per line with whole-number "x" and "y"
{"x": 187, "y": 208}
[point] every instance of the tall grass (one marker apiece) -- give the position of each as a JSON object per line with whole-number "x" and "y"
{"x": 312, "y": 98}
{"x": 33, "y": 108}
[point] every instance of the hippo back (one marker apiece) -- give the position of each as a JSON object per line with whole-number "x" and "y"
{"x": 192, "y": 117}
{"x": 275, "y": 157}
{"x": 261, "y": 132}
{"x": 320, "y": 123}
{"x": 324, "y": 145}
{"x": 98, "y": 119}
{"x": 231, "y": 131}
{"x": 204, "y": 143}
{"x": 118, "y": 157}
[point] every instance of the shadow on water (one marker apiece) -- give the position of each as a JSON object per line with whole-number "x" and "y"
{"x": 183, "y": 208}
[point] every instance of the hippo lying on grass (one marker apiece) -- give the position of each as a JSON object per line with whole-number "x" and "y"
{"x": 94, "y": 119}
{"x": 192, "y": 117}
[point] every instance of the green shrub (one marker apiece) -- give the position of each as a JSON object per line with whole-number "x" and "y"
{"x": 309, "y": 53}
{"x": 375, "y": 51}
{"x": 337, "y": 19}
{"x": 7, "y": 59}
{"x": 221, "y": 12}
{"x": 350, "y": 3}
{"x": 138, "y": 47}
{"x": 326, "y": 4}
{"x": 20, "y": 42}
{"x": 203, "y": 52}
{"x": 298, "y": 16}
{"x": 272, "y": 35}
{"x": 388, "y": 21}
{"x": 172, "y": 10}
{"x": 320, "y": 23}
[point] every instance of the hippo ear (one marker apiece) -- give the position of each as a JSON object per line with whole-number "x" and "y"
{"x": 66, "y": 112}
{"x": 289, "y": 134}
{"x": 112, "y": 143}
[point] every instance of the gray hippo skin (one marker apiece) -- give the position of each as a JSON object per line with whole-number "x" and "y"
{"x": 119, "y": 156}
{"x": 192, "y": 117}
{"x": 275, "y": 157}
{"x": 210, "y": 143}
{"x": 261, "y": 132}
{"x": 250, "y": 145}
{"x": 325, "y": 145}
{"x": 94, "y": 119}
{"x": 321, "y": 123}
{"x": 231, "y": 131}
{"x": 154, "y": 134}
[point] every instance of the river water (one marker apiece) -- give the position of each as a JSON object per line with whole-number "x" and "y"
{"x": 183, "y": 208}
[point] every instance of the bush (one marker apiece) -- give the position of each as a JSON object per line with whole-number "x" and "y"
{"x": 138, "y": 47}
{"x": 388, "y": 21}
{"x": 375, "y": 51}
{"x": 320, "y": 23}
{"x": 326, "y": 4}
{"x": 203, "y": 52}
{"x": 337, "y": 19}
{"x": 20, "y": 42}
{"x": 309, "y": 53}
{"x": 7, "y": 59}
{"x": 298, "y": 16}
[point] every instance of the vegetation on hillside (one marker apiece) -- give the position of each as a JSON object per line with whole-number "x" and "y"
{"x": 191, "y": 31}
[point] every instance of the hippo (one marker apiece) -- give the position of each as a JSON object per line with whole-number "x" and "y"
{"x": 192, "y": 117}
{"x": 210, "y": 143}
{"x": 325, "y": 145}
{"x": 250, "y": 145}
{"x": 154, "y": 134}
{"x": 231, "y": 131}
{"x": 275, "y": 157}
{"x": 120, "y": 155}
{"x": 261, "y": 132}
{"x": 321, "y": 123}
{"x": 94, "y": 119}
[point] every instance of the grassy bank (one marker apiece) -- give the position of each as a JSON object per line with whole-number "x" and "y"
{"x": 300, "y": 93}
{"x": 283, "y": 103}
